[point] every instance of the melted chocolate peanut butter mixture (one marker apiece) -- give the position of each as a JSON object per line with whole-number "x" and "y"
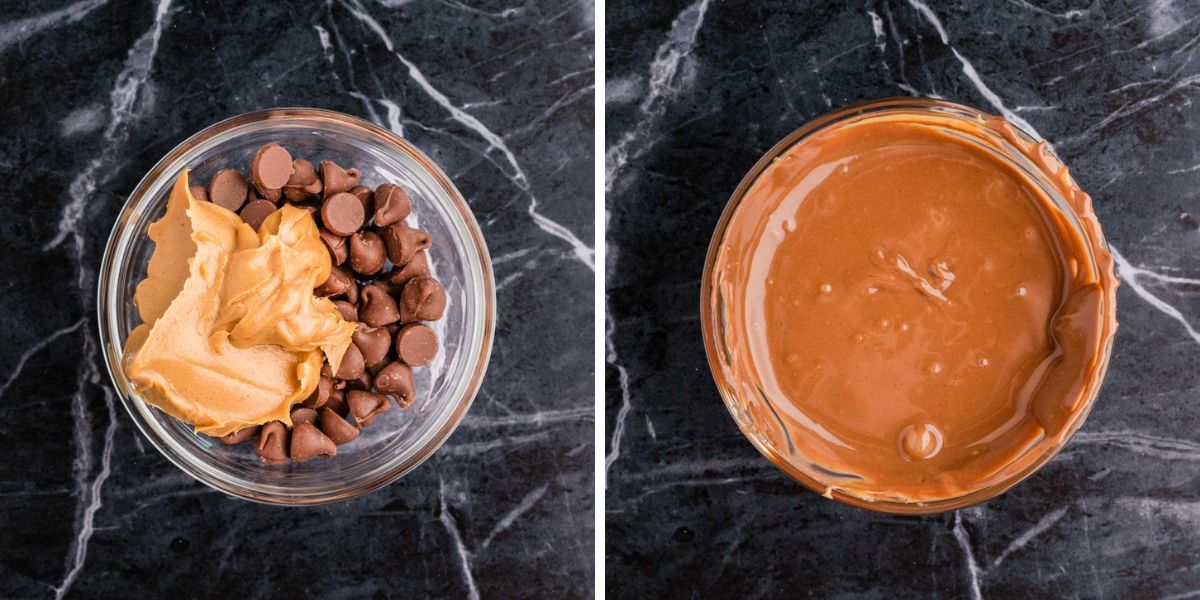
{"x": 910, "y": 314}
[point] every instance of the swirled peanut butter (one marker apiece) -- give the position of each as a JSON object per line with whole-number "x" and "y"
{"x": 232, "y": 335}
{"x": 908, "y": 315}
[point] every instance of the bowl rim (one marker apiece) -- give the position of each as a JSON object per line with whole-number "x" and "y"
{"x": 709, "y": 316}
{"x": 168, "y": 165}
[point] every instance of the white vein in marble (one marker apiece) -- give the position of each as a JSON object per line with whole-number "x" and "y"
{"x": 42, "y": 344}
{"x": 511, "y": 517}
{"x": 1045, "y": 523}
{"x": 614, "y": 443}
{"x": 15, "y": 32}
{"x": 664, "y": 81}
{"x": 971, "y": 73}
{"x": 126, "y": 101}
{"x": 536, "y": 419}
{"x": 584, "y": 253}
{"x": 1132, "y": 276}
{"x": 972, "y": 567}
{"x": 447, "y": 520}
{"x": 1170, "y": 449}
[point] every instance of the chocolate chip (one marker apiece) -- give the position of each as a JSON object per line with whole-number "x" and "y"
{"x": 320, "y": 396}
{"x": 339, "y": 282}
{"x": 271, "y": 195}
{"x": 198, "y": 192}
{"x": 366, "y": 196}
{"x": 352, "y": 366}
{"x": 270, "y": 169}
{"x": 352, "y": 293}
{"x": 367, "y": 254}
{"x": 416, "y": 344}
{"x": 303, "y": 183}
{"x": 373, "y": 343}
{"x": 254, "y": 213}
{"x": 364, "y": 382}
{"x": 342, "y": 214}
{"x": 337, "y": 179}
{"x": 228, "y": 189}
{"x": 273, "y": 443}
{"x": 302, "y": 414}
{"x": 337, "y": 428}
{"x": 337, "y": 402}
{"x": 417, "y": 267}
{"x": 378, "y": 307}
{"x": 349, "y": 313}
{"x": 391, "y": 204}
{"x": 308, "y": 442}
{"x": 241, "y": 435}
{"x": 312, "y": 207}
{"x": 396, "y": 380}
{"x": 336, "y": 245}
{"x": 365, "y": 406}
{"x": 404, "y": 242}
{"x": 423, "y": 299}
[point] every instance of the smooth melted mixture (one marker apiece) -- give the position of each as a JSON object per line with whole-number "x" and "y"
{"x": 914, "y": 312}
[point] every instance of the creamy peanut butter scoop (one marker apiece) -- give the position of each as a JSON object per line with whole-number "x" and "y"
{"x": 232, "y": 334}
{"x": 906, "y": 315}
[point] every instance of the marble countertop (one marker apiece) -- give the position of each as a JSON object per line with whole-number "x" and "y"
{"x": 697, "y": 90}
{"x": 500, "y": 95}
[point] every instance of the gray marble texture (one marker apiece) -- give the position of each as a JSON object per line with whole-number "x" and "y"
{"x": 499, "y": 94}
{"x": 696, "y": 91}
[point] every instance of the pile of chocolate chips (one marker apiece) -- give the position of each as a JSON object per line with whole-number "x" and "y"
{"x": 380, "y": 280}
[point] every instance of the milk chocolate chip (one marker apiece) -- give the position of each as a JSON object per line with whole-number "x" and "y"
{"x": 391, "y": 204}
{"x": 404, "y": 242}
{"x": 241, "y": 435}
{"x": 349, "y": 313}
{"x": 365, "y": 406}
{"x": 273, "y": 443}
{"x": 423, "y": 299}
{"x": 396, "y": 380}
{"x": 367, "y": 254}
{"x": 337, "y": 428}
{"x": 198, "y": 192}
{"x": 308, "y": 442}
{"x": 366, "y": 196}
{"x": 337, "y": 402}
{"x": 352, "y": 366}
{"x": 417, "y": 267}
{"x": 336, "y": 244}
{"x": 270, "y": 169}
{"x": 255, "y": 212}
{"x": 342, "y": 214}
{"x": 378, "y": 307}
{"x": 416, "y": 344}
{"x": 337, "y": 179}
{"x": 302, "y": 414}
{"x": 362, "y": 383}
{"x": 373, "y": 343}
{"x": 303, "y": 183}
{"x": 228, "y": 189}
{"x": 338, "y": 283}
{"x": 320, "y": 395}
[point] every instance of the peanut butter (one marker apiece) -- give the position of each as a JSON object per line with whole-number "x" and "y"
{"x": 905, "y": 314}
{"x": 232, "y": 335}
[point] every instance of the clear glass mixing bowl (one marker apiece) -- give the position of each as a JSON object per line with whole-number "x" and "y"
{"x": 745, "y": 400}
{"x": 398, "y": 440}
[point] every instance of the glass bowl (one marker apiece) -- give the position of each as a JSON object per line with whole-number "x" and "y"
{"x": 398, "y": 440}
{"x": 745, "y": 398}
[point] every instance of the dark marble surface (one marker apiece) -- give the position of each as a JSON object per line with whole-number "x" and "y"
{"x": 500, "y": 95}
{"x": 696, "y": 92}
